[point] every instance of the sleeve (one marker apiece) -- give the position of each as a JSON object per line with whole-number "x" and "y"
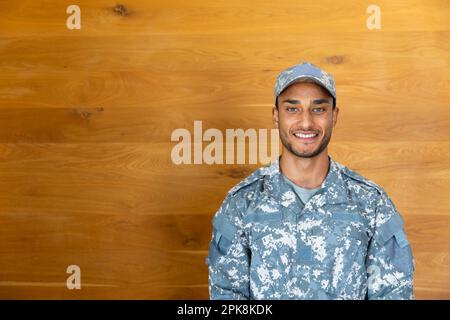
{"x": 228, "y": 258}
{"x": 390, "y": 264}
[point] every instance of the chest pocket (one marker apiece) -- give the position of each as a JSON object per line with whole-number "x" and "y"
{"x": 266, "y": 225}
{"x": 349, "y": 226}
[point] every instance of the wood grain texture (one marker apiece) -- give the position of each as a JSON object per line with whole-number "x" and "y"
{"x": 223, "y": 18}
{"x": 86, "y": 118}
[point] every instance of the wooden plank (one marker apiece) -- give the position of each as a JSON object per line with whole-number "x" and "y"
{"x": 103, "y": 233}
{"x": 38, "y": 291}
{"x": 141, "y": 179}
{"x": 236, "y": 17}
{"x": 110, "y": 267}
{"x": 215, "y": 88}
{"x": 358, "y": 56}
{"x": 372, "y": 159}
{"x": 99, "y": 124}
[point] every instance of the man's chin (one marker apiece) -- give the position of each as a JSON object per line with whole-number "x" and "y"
{"x": 305, "y": 153}
{"x": 306, "y": 150}
{"x": 309, "y": 152}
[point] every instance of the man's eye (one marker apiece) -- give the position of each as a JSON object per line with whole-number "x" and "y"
{"x": 291, "y": 109}
{"x": 318, "y": 110}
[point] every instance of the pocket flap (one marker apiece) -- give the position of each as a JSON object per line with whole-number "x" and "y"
{"x": 347, "y": 216}
{"x": 256, "y": 217}
{"x": 393, "y": 227}
{"x": 224, "y": 228}
{"x": 401, "y": 239}
{"x": 212, "y": 255}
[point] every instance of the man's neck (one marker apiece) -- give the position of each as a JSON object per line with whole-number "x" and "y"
{"x": 307, "y": 173}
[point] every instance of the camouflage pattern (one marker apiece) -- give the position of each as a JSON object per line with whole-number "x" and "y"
{"x": 301, "y": 72}
{"x": 346, "y": 242}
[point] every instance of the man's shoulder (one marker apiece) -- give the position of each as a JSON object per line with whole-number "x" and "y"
{"x": 250, "y": 183}
{"x": 358, "y": 181}
{"x": 240, "y": 195}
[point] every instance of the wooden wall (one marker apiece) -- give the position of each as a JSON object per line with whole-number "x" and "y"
{"x": 86, "y": 118}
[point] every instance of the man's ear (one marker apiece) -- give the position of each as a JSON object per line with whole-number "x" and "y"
{"x": 275, "y": 116}
{"x": 335, "y": 116}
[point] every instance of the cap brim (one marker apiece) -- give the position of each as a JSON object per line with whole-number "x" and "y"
{"x": 311, "y": 79}
{"x": 307, "y": 79}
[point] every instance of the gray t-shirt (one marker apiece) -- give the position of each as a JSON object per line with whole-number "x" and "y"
{"x": 303, "y": 194}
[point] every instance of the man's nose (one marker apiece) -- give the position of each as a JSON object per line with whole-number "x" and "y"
{"x": 305, "y": 119}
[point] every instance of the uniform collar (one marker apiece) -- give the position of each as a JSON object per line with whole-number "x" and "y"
{"x": 333, "y": 189}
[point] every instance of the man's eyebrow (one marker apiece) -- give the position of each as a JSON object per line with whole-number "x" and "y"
{"x": 292, "y": 101}
{"x": 319, "y": 101}
{"x": 315, "y": 101}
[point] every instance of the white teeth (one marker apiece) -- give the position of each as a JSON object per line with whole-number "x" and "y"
{"x": 302, "y": 135}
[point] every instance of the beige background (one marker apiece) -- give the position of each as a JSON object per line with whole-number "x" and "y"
{"x": 86, "y": 118}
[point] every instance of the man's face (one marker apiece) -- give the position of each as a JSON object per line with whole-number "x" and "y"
{"x": 305, "y": 119}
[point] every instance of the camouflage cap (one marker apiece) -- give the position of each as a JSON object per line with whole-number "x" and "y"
{"x": 305, "y": 71}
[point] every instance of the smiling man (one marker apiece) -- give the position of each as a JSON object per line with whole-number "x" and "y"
{"x": 307, "y": 227}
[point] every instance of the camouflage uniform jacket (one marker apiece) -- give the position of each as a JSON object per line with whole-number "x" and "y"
{"x": 346, "y": 242}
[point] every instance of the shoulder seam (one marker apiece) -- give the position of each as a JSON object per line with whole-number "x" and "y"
{"x": 356, "y": 176}
{"x": 244, "y": 183}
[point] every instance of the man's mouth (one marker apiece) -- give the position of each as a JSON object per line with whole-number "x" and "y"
{"x": 306, "y": 136}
